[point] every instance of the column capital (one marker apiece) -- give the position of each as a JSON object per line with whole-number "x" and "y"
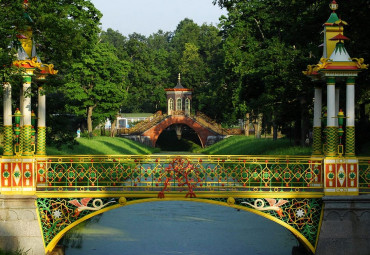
{"x": 351, "y": 80}
{"x": 330, "y": 80}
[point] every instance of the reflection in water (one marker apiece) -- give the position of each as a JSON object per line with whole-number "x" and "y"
{"x": 179, "y": 227}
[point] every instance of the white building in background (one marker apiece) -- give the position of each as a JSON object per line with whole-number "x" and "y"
{"x": 127, "y": 120}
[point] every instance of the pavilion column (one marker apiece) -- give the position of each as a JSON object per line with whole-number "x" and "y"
{"x": 337, "y": 93}
{"x": 350, "y": 121}
{"x": 331, "y": 129}
{"x": 317, "y": 142}
{"x": 8, "y": 124}
{"x": 26, "y": 129}
{"x": 41, "y": 124}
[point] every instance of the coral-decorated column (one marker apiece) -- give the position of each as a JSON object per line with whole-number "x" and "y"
{"x": 331, "y": 129}
{"x": 41, "y": 124}
{"x": 8, "y": 125}
{"x": 26, "y": 131}
{"x": 350, "y": 123}
{"x": 317, "y": 143}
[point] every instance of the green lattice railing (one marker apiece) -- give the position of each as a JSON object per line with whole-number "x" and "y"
{"x": 176, "y": 173}
{"x": 364, "y": 170}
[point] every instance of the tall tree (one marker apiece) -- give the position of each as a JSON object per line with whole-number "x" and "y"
{"x": 96, "y": 85}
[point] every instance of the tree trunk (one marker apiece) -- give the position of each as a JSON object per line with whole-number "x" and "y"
{"x": 113, "y": 127}
{"x": 89, "y": 120}
{"x": 246, "y": 127}
{"x": 274, "y": 131}
{"x": 259, "y": 125}
{"x": 304, "y": 128}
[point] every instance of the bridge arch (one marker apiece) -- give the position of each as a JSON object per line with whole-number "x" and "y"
{"x": 202, "y": 132}
{"x": 229, "y": 203}
{"x": 169, "y": 138}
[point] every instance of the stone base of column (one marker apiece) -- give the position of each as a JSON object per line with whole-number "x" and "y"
{"x": 345, "y": 226}
{"x": 8, "y": 141}
{"x": 19, "y": 225}
{"x": 332, "y": 141}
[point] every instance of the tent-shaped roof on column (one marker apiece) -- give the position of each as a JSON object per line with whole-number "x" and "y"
{"x": 26, "y": 49}
{"x": 339, "y": 62}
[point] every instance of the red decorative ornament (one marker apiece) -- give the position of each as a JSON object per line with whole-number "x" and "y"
{"x": 180, "y": 169}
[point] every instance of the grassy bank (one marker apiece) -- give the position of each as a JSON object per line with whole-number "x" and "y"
{"x": 242, "y": 145}
{"x": 102, "y": 145}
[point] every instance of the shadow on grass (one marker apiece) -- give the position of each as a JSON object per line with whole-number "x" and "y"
{"x": 250, "y": 146}
{"x": 79, "y": 149}
{"x": 139, "y": 147}
{"x": 122, "y": 150}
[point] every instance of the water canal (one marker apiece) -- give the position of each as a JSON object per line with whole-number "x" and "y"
{"x": 180, "y": 227}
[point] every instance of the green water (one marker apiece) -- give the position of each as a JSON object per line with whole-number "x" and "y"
{"x": 180, "y": 227}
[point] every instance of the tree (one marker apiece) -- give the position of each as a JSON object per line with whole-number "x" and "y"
{"x": 64, "y": 29}
{"x": 96, "y": 85}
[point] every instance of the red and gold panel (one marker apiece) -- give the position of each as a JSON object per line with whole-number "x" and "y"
{"x": 16, "y": 175}
{"x": 27, "y": 175}
{"x": 40, "y": 172}
{"x": 6, "y": 175}
{"x": 341, "y": 177}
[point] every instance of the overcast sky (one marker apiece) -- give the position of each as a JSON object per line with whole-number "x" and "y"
{"x": 148, "y": 16}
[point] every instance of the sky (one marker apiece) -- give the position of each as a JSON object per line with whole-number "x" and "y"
{"x": 148, "y": 16}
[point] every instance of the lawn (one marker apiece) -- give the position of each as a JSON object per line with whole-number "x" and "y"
{"x": 102, "y": 145}
{"x": 243, "y": 145}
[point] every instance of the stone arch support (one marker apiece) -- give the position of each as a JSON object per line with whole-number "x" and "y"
{"x": 301, "y": 216}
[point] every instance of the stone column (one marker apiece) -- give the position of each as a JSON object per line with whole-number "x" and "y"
{"x": 8, "y": 124}
{"x": 41, "y": 124}
{"x": 337, "y": 92}
{"x": 317, "y": 142}
{"x": 350, "y": 121}
{"x": 332, "y": 129}
{"x": 26, "y": 111}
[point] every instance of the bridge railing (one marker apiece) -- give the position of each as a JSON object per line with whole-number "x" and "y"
{"x": 196, "y": 173}
{"x": 144, "y": 125}
{"x": 209, "y": 123}
{"x": 364, "y": 170}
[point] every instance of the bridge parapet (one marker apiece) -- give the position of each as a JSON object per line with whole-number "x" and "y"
{"x": 120, "y": 173}
{"x": 161, "y": 173}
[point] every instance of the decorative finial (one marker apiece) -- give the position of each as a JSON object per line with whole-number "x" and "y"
{"x": 179, "y": 78}
{"x": 333, "y": 6}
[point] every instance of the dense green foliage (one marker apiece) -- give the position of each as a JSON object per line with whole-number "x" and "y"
{"x": 96, "y": 84}
{"x": 268, "y": 43}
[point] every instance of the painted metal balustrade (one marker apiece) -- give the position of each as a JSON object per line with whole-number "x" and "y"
{"x": 364, "y": 170}
{"x": 188, "y": 174}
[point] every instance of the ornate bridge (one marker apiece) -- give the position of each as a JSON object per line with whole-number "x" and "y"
{"x": 206, "y": 129}
{"x": 323, "y": 199}
{"x": 69, "y": 190}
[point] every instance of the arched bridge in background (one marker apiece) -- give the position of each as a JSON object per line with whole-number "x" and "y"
{"x": 208, "y": 130}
